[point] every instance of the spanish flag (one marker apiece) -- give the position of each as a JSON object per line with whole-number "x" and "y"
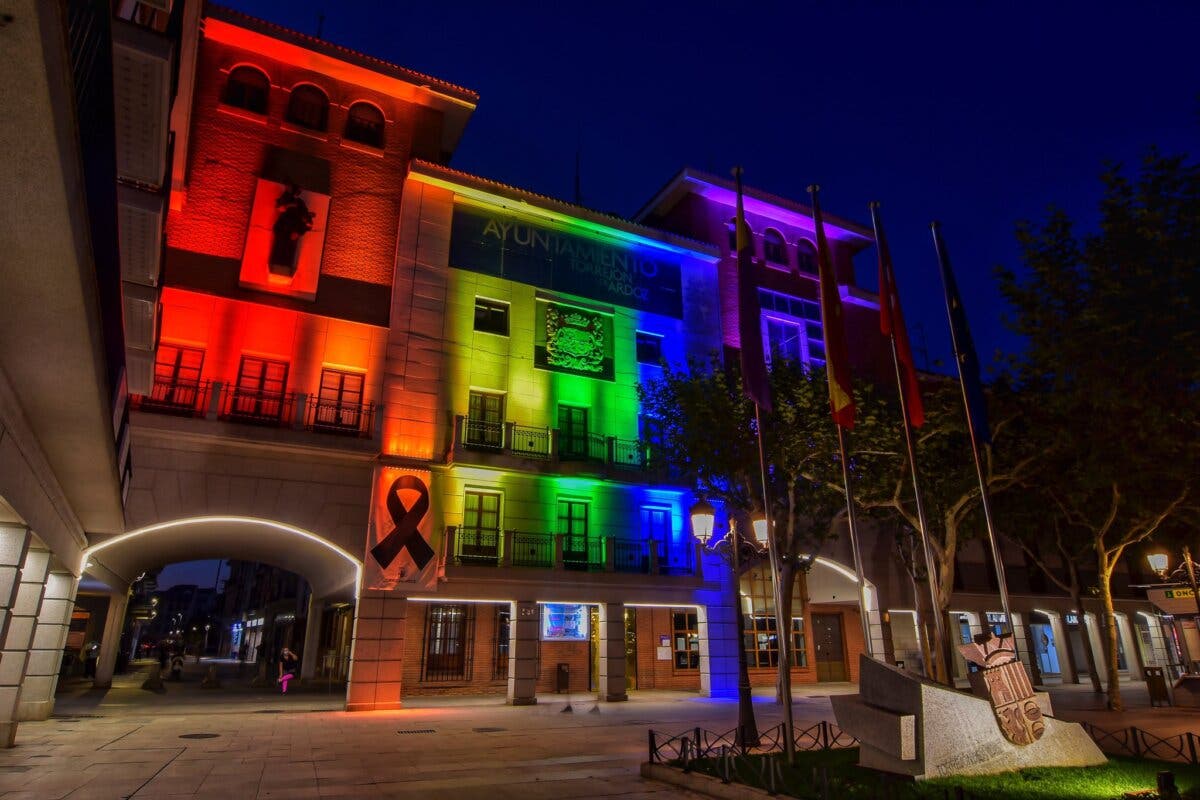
{"x": 753, "y": 359}
{"x": 837, "y": 362}
{"x": 891, "y": 323}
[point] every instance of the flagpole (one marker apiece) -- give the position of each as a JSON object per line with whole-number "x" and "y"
{"x": 944, "y": 267}
{"x": 851, "y": 520}
{"x": 936, "y": 654}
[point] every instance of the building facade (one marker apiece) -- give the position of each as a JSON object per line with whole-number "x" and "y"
{"x": 416, "y": 389}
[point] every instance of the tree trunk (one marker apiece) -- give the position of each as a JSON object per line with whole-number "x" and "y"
{"x": 1088, "y": 654}
{"x": 1109, "y": 637}
{"x": 787, "y": 583}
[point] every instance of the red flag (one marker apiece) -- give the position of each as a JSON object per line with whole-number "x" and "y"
{"x": 891, "y": 323}
{"x": 754, "y": 362}
{"x": 837, "y": 362}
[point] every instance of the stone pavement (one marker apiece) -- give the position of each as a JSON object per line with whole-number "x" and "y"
{"x": 240, "y": 743}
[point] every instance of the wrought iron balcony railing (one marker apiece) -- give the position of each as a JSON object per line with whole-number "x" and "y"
{"x": 220, "y": 400}
{"x": 551, "y": 444}
{"x": 494, "y": 548}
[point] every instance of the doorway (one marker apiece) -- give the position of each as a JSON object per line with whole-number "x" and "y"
{"x": 830, "y": 647}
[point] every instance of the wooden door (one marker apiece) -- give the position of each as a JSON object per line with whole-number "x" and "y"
{"x": 830, "y": 647}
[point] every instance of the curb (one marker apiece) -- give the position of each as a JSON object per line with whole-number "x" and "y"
{"x": 703, "y": 784}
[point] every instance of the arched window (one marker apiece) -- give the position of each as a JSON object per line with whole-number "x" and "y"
{"x": 308, "y": 107}
{"x": 248, "y": 88}
{"x": 774, "y": 248}
{"x": 364, "y": 124}
{"x": 732, "y": 225}
{"x": 806, "y": 256}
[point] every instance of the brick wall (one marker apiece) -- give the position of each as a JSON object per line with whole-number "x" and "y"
{"x": 652, "y": 624}
{"x": 228, "y": 147}
{"x": 480, "y": 680}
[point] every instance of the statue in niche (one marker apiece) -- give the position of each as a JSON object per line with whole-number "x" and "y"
{"x": 294, "y": 221}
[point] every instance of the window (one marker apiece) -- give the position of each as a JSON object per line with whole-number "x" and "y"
{"x": 649, "y": 348}
{"x": 479, "y": 537}
{"x": 177, "y": 377}
{"x": 485, "y": 420}
{"x": 491, "y": 316}
{"x": 248, "y": 88}
{"x": 308, "y": 107}
{"x": 340, "y": 402}
{"x": 792, "y": 328}
{"x": 572, "y": 432}
{"x": 573, "y": 525}
{"x": 758, "y": 626}
{"x": 449, "y": 634}
{"x": 259, "y": 394}
{"x": 806, "y": 257}
{"x": 774, "y": 247}
{"x": 685, "y": 640}
{"x": 500, "y": 650}
{"x": 364, "y": 124}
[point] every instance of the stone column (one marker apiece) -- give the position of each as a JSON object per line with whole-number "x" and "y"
{"x": 718, "y": 625}
{"x": 110, "y": 640}
{"x": 377, "y": 656}
{"x": 524, "y": 618}
{"x": 312, "y": 637}
{"x": 45, "y": 654}
{"x": 612, "y": 652}
{"x": 16, "y": 626}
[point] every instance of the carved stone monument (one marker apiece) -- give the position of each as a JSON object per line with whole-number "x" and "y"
{"x": 1003, "y": 681}
{"x": 912, "y": 726}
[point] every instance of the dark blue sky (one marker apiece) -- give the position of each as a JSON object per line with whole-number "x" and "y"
{"x": 975, "y": 114}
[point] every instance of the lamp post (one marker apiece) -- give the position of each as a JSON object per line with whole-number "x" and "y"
{"x": 704, "y": 517}
{"x": 1158, "y": 562}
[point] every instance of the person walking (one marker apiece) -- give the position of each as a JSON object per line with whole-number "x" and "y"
{"x": 289, "y": 663}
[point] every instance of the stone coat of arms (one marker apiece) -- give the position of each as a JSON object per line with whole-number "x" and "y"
{"x": 1003, "y": 680}
{"x": 574, "y": 340}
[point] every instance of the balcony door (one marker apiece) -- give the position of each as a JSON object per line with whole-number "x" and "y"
{"x": 572, "y": 433}
{"x": 340, "y": 402}
{"x": 177, "y": 377}
{"x": 479, "y": 538}
{"x": 485, "y": 420}
{"x": 573, "y": 525}
{"x": 260, "y": 391}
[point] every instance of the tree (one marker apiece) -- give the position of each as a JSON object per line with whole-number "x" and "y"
{"x": 1113, "y": 359}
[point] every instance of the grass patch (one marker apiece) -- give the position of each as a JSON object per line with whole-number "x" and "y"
{"x": 819, "y": 775}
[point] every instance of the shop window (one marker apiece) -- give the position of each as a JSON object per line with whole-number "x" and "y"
{"x": 308, "y": 107}
{"x": 500, "y": 650}
{"x": 449, "y": 637}
{"x": 485, "y": 420}
{"x": 340, "y": 401}
{"x": 806, "y": 257}
{"x": 774, "y": 247}
{"x": 685, "y": 640}
{"x": 177, "y": 372}
{"x": 491, "y": 316}
{"x": 649, "y": 348}
{"x": 260, "y": 391}
{"x": 478, "y": 539}
{"x": 364, "y": 124}
{"x": 759, "y": 632}
{"x": 248, "y": 88}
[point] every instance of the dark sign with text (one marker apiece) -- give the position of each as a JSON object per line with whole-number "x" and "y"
{"x": 615, "y": 272}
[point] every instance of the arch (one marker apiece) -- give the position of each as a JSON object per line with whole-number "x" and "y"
{"x": 774, "y": 247}
{"x": 806, "y": 257}
{"x": 364, "y": 124}
{"x": 248, "y": 88}
{"x": 329, "y": 570}
{"x": 308, "y": 107}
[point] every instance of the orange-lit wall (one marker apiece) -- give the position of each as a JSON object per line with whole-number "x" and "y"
{"x": 227, "y": 152}
{"x": 228, "y": 329}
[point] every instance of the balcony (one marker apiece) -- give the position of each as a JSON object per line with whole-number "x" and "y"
{"x": 556, "y": 551}
{"x": 474, "y": 438}
{"x": 295, "y": 410}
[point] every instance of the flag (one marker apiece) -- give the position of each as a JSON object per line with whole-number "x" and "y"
{"x": 891, "y": 323}
{"x": 837, "y": 362}
{"x": 964, "y": 348}
{"x": 753, "y": 360}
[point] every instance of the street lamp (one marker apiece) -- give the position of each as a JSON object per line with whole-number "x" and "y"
{"x": 703, "y": 519}
{"x": 1159, "y": 561}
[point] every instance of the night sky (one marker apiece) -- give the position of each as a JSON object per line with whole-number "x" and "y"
{"x": 974, "y": 114}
